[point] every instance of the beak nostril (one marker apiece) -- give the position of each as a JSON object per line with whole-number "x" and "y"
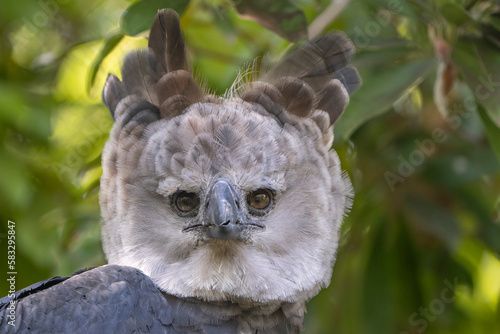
{"x": 222, "y": 206}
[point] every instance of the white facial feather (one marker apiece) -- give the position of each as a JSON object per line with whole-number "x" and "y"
{"x": 292, "y": 258}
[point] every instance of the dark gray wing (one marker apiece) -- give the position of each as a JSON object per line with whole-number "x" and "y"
{"x": 34, "y": 288}
{"x": 117, "y": 299}
{"x": 108, "y": 299}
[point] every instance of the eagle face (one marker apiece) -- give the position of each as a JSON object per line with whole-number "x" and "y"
{"x": 225, "y": 199}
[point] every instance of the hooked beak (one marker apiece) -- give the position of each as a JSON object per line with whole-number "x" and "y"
{"x": 223, "y": 216}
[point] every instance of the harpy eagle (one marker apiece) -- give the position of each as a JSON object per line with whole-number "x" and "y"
{"x": 220, "y": 214}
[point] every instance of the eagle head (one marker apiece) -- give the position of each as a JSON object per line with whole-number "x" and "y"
{"x": 237, "y": 198}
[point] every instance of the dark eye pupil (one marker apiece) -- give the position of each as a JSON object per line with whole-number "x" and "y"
{"x": 259, "y": 199}
{"x": 186, "y": 202}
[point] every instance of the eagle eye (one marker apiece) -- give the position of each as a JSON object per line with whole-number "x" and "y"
{"x": 259, "y": 200}
{"x": 186, "y": 202}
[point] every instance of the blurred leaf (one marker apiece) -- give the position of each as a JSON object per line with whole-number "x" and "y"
{"x": 479, "y": 62}
{"x": 73, "y": 74}
{"x": 24, "y": 112}
{"x": 491, "y": 27}
{"x": 139, "y": 16}
{"x": 383, "y": 54}
{"x": 456, "y": 169}
{"x": 410, "y": 103}
{"x": 378, "y": 286}
{"x": 281, "y": 16}
{"x": 492, "y": 131}
{"x": 220, "y": 51}
{"x": 108, "y": 46}
{"x": 455, "y": 14}
{"x": 487, "y": 230}
{"x": 495, "y": 22}
{"x": 428, "y": 215}
{"x": 380, "y": 90}
{"x": 14, "y": 183}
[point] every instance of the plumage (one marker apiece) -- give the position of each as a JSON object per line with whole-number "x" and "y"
{"x": 334, "y": 99}
{"x": 120, "y": 299}
{"x": 167, "y": 43}
{"x": 176, "y": 91}
{"x": 349, "y": 77}
{"x": 219, "y": 214}
{"x": 113, "y": 93}
{"x": 315, "y": 61}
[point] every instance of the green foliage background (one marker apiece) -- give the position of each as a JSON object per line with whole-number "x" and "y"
{"x": 421, "y": 140}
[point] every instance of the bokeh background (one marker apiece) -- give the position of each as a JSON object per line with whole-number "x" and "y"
{"x": 420, "y": 250}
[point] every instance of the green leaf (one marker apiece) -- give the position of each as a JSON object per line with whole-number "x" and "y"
{"x": 281, "y": 16}
{"x": 492, "y": 131}
{"x": 380, "y": 90}
{"x": 434, "y": 219}
{"x": 25, "y": 113}
{"x": 455, "y": 14}
{"x": 452, "y": 170}
{"x": 495, "y": 22}
{"x": 486, "y": 229}
{"x": 108, "y": 46}
{"x": 14, "y": 181}
{"x": 379, "y": 286}
{"x": 139, "y": 16}
{"x": 479, "y": 61}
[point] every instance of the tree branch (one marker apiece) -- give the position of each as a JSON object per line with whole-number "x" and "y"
{"x": 325, "y": 18}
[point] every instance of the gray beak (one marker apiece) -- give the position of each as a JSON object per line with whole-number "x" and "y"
{"x": 222, "y": 214}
